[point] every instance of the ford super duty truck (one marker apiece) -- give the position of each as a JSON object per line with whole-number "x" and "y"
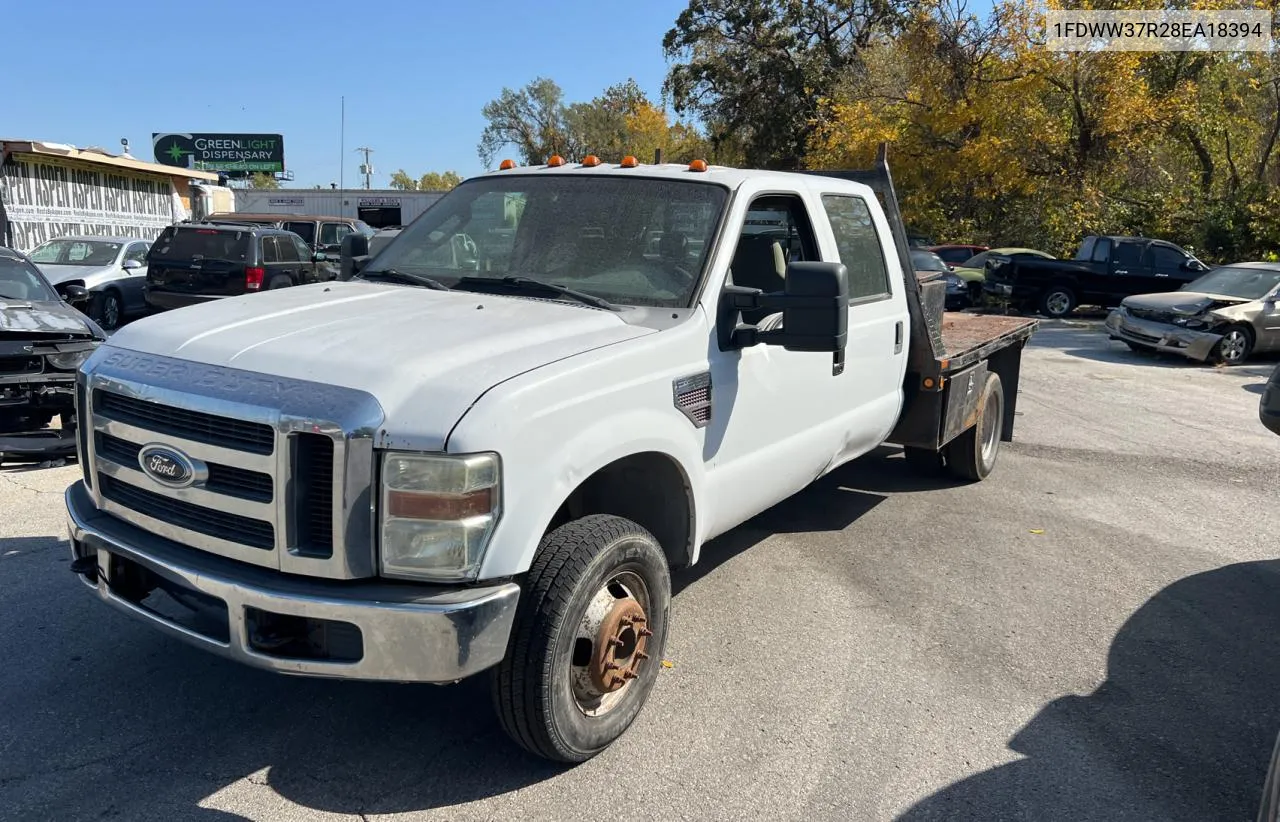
{"x": 488, "y": 449}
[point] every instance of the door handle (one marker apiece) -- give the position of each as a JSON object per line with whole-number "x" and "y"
{"x": 897, "y": 337}
{"x": 1122, "y": 271}
{"x": 1161, "y": 275}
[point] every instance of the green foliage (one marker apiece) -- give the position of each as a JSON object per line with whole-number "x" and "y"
{"x": 536, "y": 122}
{"x": 263, "y": 180}
{"x": 431, "y": 181}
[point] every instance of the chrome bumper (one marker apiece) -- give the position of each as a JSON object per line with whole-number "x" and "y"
{"x": 407, "y": 633}
{"x": 1196, "y": 345}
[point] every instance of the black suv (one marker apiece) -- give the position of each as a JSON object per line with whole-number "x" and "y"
{"x": 197, "y": 262}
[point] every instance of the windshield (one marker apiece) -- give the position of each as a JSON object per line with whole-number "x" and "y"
{"x": 180, "y": 243}
{"x": 22, "y": 281}
{"x": 1246, "y": 283}
{"x": 76, "y": 252}
{"x": 927, "y": 261}
{"x": 976, "y": 261}
{"x": 636, "y": 241}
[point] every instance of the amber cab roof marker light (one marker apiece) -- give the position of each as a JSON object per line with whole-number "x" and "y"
{"x": 507, "y": 165}
{"x": 591, "y": 161}
{"x": 698, "y": 165}
{"x": 629, "y": 162}
{"x": 555, "y": 161}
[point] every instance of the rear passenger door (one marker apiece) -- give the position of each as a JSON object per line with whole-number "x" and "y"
{"x": 877, "y": 349}
{"x": 291, "y": 262}
{"x": 1130, "y": 274}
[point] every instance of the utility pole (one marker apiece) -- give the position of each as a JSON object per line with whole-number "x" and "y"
{"x": 365, "y": 168}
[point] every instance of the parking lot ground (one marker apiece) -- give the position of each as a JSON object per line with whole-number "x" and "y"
{"x": 1092, "y": 633}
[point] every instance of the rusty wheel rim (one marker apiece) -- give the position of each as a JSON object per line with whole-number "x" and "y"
{"x": 610, "y": 644}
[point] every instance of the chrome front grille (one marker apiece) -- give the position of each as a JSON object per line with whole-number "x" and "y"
{"x": 212, "y": 429}
{"x": 285, "y": 467}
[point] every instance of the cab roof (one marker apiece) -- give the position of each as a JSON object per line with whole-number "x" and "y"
{"x": 727, "y": 176}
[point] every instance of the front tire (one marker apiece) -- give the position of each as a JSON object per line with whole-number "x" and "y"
{"x": 1057, "y": 301}
{"x": 972, "y": 455}
{"x": 588, "y": 638}
{"x": 1235, "y": 346}
{"x": 110, "y": 310}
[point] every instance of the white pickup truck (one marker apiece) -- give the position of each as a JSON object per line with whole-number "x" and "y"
{"x": 486, "y": 451}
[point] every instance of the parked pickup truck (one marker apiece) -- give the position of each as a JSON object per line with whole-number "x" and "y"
{"x": 429, "y": 471}
{"x": 1104, "y": 271}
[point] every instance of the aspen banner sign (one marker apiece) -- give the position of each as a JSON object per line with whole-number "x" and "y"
{"x": 236, "y": 155}
{"x": 46, "y": 197}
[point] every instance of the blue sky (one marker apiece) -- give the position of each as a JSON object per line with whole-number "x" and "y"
{"x": 415, "y": 75}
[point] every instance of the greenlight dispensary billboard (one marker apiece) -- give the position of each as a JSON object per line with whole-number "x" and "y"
{"x": 238, "y": 155}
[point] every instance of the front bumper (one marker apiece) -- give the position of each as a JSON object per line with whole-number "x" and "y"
{"x": 1195, "y": 345}
{"x": 402, "y": 633}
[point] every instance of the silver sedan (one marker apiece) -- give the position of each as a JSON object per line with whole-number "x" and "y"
{"x": 113, "y": 269}
{"x": 1223, "y": 316}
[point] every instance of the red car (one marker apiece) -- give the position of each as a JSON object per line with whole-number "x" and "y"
{"x": 956, "y": 254}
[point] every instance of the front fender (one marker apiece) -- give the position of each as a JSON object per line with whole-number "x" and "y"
{"x": 547, "y": 457}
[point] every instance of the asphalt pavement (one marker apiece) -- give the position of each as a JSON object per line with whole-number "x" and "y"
{"x": 1092, "y": 633}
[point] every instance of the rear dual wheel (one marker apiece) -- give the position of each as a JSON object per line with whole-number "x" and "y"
{"x": 972, "y": 455}
{"x": 588, "y": 639}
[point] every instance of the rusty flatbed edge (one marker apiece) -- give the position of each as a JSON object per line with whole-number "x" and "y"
{"x": 968, "y": 338}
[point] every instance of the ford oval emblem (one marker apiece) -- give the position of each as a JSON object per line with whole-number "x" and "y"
{"x": 167, "y": 466}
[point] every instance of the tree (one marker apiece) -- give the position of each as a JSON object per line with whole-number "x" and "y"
{"x": 532, "y": 120}
{"x": 403, "y": 181}
{"x": 756, "y": 70}
{"x": 435, "y": 181}
{"x": 263, "y": 180}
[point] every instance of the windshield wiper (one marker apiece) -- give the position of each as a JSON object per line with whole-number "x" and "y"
{"x": 392, "y": 275}
{"x": 526, "y": 284}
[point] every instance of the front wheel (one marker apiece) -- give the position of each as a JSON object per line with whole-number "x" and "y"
{"x": 588, "y": 638}
{"x": 1057, "y": 301}
{"x": 1234, "y": 347}
{"x": 110, "y": 310}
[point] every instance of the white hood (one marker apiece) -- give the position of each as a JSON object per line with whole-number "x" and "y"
{"x": 425, "y": 355}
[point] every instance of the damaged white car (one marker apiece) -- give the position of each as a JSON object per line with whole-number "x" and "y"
{"x": 1222, "y": 317}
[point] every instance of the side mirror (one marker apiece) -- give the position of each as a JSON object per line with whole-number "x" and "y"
{"x": 131, "y": 265}
{"x": 814, "y": 306}
{"x": 319, "y": 257}
{"x": 353, "y": 254}
{"x": 75, "y": 294}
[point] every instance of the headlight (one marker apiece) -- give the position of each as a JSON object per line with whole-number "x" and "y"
{"x": 438, "y": 512}
{"x": 953, "y": 281}
{"x": 68, "y": 361}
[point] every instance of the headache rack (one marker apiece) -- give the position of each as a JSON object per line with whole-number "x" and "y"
{"x": 948, "y": 351}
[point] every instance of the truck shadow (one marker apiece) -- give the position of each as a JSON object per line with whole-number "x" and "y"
{"x": 174, "y": 728}
{"x": 1182, "y": 728}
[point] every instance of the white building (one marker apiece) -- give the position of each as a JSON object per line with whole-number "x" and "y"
{"x": 380, "y": 208}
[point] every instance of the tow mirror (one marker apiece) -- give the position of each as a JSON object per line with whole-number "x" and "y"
{"x": 353, "y": 254}
{"x": 814, "y": 306}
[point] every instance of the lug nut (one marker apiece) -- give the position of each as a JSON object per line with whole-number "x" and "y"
{"x": 641, "y": 655}
{"x": 612, "y": 666}
{"x": 629, "y": 674}
{"x": 645, "y": 632}
{"x": 615, "y": 642}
